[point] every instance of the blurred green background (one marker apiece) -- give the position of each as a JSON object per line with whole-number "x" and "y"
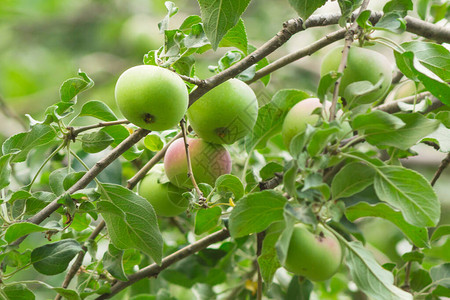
{"x": 44, "y": 42}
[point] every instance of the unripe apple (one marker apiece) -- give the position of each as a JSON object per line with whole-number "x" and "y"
{"x": 314, "y": 256}
{"x": 225, "y": 114}
{"x": 300, "y": 115}
{"x": 209, "y": 162}
{"x": 151, "y": 97}
{"x": 166, "y": 198}
{"x": 362, "y": 65}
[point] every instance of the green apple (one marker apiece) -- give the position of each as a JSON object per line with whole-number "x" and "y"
{"x": 300, "y": 115}
{"x": 362, "y": 65}
{"x": 151, "y": 97}
{"x": 166, "y": 198}
{"x": 225, "y": 114}
{"x": 314, "y": 256}
{"x": 209, "y": 161}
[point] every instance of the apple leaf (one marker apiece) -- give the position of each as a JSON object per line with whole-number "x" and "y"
{"x": 17, "y": 291}
{"x": 416, "y": 128}
{"x": 95, "y": 141}
{"x": 236, "y": 37}
{"x": 305, "y": 8}
{"x": 417, "y": 235}
{"x": 97, "y": 109}
{"x": 5, "y": 170}
{"x": 230, "y": 183}
{"x": 410, "y": 192}
{"x": 268, "y": 260}
{"x": 433, "y": 56}
{"x": 369, "y": 276}
{"x": 441, "y": 275}
{"x": 419, "y": 71}
{"x": 441, "y": 231}
{"x": 113, "y": 262}
{"x": 271, "y": 116}
{"x": 442, "y": 137}
{"x": 153, "y": 142}
{"x": 207, "y": 219}
{"x": 377, "y": 120}
{"x": 22, "y": 143}
{"x": 255, "y": 212}
{"x": 171, "y": 11}
{"x": 73, "y": 86}
{"x": 219, "y": 17}
{"x": 131, "y": 221}
{"x": 352, "y": 179}
{"x": 18, "y": 230}
{"x": 52, "y": 259}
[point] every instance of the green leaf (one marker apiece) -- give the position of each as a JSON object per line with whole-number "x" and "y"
{"x": 138, "y": 228}
{"x": 5, "y": 170}
{"x": 326, "y": 83}
{"x": 441, "y": 275}
{"x": 255, "y": 212}
{"x": 189, "y": 21}
{"x": 305, "y": 8}
{"x": 299, "y": 289}
{"x": 113, "y": 263}
{"x": 56, "y": 180}
{"x": 171, "y": 11}
{"x": 394, "y": 12}
{"x": 416, "y": 128}
{"x": 268, "y": 260}
{"x": 441, "y": 231}
{"x": 419, "y": 279}
{"x": 220, "y": 16}
{"x": 207, "y": 219}
{"x": 236, "y": 37}
{"x": 320, "y": 139}
{"x": 52, "y": 259}
{"x": 370, "y": 277}
{"x": 423, "y": 7}
{"x": 18, "y": 230}
{"x": 410, "y": 192}
{"x": 269, "y": 170}
{"x": 18, "y": 291}
{"x": 352, "y": 179}
{"x": 120, "y": 133}
{"x": 354, "y": 92}
{"x": 21, "y": 144}
{"x": 377, "y": 120}
{"x": 347, "y": 7}
{"x": 230, "y": 183}
{"x": 196, "y": 37}
{"x": 442, "y": 137}
{"x": 271, "y": 116}
{"x": 417, "y": 71}
{"x": 73, "y": 86}
{"x": 153, "y": 142}
{"x": 417, "y": 235}
{"x": 99, "y": 110}
{"x": 444, "y": 117}
{"x": 96, "y": 141}
{"x": 433, "y": 56}
{"x": 67, "y": 294}
{"x": 413, "y": 256}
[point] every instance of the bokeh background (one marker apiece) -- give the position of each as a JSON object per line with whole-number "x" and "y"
{"x": 44, "y": 42}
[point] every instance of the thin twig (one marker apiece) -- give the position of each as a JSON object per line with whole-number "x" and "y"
{"x": 153, "y": 270}
{"x": 73, "y": 133}
{"x": 133, "y": 181}
{"x": 348, "y": 42}
{"x": 259, "y": 243}
{"x": 190, "y": 174}
{"x": 79, "y": 260}
{"x": 196, "y": 81}
{"x": 444, "y": 164}
{"x": 87, "y": 178}
{"x": 306, "y": 51}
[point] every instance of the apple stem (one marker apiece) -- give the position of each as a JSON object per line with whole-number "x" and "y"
{"x": 348, "y": 42}
{"x": 190, "y": 174}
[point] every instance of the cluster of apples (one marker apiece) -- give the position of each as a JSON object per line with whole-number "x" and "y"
{"x": 157, "y": 99}
{"x": 318, "y": 256}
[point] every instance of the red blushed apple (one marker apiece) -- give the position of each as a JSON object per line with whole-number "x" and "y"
{"x": 209, "y": 161}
